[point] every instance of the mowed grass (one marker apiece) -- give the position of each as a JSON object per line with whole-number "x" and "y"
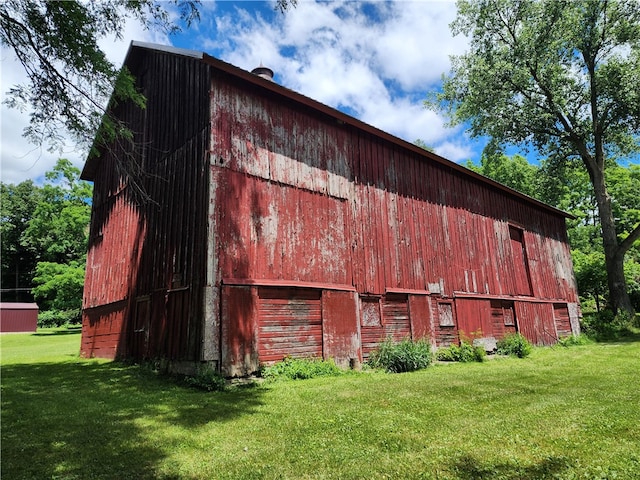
{"x": 563, "y": 413}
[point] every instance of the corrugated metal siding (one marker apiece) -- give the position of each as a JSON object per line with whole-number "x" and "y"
{"x": 290, "y": 323}
{"x": 148, "y": 233}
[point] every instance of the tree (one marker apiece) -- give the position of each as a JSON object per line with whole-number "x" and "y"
{"x": 17, "y": 203}
{"x": 58, "y": 226}
{"x": 515, "y": 172}
{"x": 561, "y": 76}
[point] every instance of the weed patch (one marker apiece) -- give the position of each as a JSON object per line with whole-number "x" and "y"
{"x": 404, "y": 356}
{"x": 514, "y": 344}
{"x": 463, "y": 353}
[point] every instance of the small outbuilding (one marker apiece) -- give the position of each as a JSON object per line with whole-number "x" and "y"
{"x": 18, "y": 317}
{"x": 246, "y": 222}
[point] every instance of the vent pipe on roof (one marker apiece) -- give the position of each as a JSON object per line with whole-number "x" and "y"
{"x": 263, "y": 72}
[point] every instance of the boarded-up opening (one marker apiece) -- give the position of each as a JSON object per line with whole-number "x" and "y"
{"x": 383, "y": 318}
{"x": 290, "y": 323}
{"x": 445, "y": 326}
{"x": 520, "y": 262}
{"x": 503, "y": 318}
{"x": 561, "y": 316}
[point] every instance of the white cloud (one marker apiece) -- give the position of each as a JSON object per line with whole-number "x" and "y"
{"x": 375, "y": 60}
{"x": 455, "y": 151}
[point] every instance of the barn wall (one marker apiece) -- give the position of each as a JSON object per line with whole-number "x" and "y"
{"x": 304, "y": 199}
{"x": 148, "y": 230}
{"x": 391, "y": 219}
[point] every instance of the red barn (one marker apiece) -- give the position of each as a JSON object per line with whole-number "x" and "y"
{"x": 259, "y": 223}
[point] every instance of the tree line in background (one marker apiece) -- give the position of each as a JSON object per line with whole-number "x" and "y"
{"x": 44, "y": 233}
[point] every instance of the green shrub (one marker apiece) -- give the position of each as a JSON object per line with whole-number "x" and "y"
{"x": 206, "y": 378}
{"x": 301, "y": 369}
{"x": 59, "y": 318}
{"x": 573, "y": 340}
{"x": 463, "y": 353}
{"x": 405, "y": 356}
{"x": 604, "y": 325}
{"x": 514, "y": 344}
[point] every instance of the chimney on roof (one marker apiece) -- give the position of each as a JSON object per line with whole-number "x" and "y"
{"x": 263, "y": 72}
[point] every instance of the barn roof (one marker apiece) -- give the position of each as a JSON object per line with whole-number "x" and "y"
{"x": 137, "y": 49}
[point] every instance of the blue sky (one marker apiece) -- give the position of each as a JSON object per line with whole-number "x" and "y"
{"x": 373, "y": 60}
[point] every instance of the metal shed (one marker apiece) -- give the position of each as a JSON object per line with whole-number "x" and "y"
{"x": 18, "y": 317}
{"x": 261, "y": 223}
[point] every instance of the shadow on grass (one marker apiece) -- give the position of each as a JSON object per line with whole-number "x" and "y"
{"x": 468, "y": 467}
{"x": 98, "y": 420}
{"x": 52, "y": 332}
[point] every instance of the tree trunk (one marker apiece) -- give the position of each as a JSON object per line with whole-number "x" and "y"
{"x": 619, "y": 300}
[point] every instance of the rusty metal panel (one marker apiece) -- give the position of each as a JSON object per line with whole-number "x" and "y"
{"x": 289, "y": 323}
{"x": 536, "y": 322}
{"x": 340, "y": 328}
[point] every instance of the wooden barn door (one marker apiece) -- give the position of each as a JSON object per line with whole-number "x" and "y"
{"x": 140, "y": 334}
{"x": 563, "y": 322}
{"x": 289, "y": 323}
{"x": 395, "y": 316}
{"x": 520, "y": 262}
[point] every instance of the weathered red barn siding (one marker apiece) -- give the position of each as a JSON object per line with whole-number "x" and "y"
{"x": 18, "y": 317}
{"x": 146, "y": 261}
{"x": 536, "y": 322}
{"x": 307, "y": 201}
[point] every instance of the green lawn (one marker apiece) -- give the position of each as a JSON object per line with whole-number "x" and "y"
{"x": 561, "y": 413}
